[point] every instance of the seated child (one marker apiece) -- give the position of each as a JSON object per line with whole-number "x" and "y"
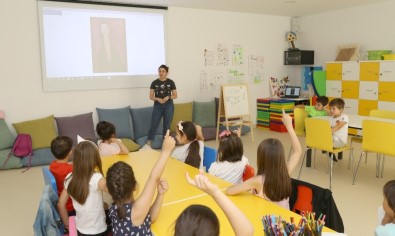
{"x": 319, "y": 109}
{"x": 273, "y": 181}
{"x": 201, "y": 220}
{"x": 191, "y": 139}
{"x": 131, "y": 215}
{"x": 230, "y": 162}
{"x": 61, "y": 148}
{"x": 387, "y": 226}
{"x": 109, "y": 145}
{"x": 339, "y": 125}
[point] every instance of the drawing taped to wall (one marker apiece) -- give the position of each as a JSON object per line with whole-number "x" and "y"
{"x": 255, "y": 69}
{"x": 222, "y": 55}
{"x": 211, "y": 80}
{"x": 209, "y": 57}
{"x": 237, "y": 55}
{"x": 235, "y": 76}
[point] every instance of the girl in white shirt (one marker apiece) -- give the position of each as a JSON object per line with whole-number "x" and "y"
{"x": 230, "y": 162}
{"x": 191, "y": 139}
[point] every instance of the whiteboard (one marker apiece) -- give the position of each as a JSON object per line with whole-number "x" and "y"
{"x": 235, "y": 97}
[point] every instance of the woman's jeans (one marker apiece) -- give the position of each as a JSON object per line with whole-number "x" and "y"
{"x": 161, "y": 110}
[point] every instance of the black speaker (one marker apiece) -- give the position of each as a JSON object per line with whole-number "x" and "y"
{"x": 299, "y": 57}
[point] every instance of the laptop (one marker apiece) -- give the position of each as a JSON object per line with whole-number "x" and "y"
{"x": 292, "y": 92}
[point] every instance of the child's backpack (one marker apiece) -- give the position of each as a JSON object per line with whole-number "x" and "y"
{"x": 21, "y": 148}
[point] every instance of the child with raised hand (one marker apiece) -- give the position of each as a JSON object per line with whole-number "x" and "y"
{"x": 273, "y": 181}
{"x": 109, "y": 145}
{"x": 85, "y": 185}
{"x": 319, "y": 109}
{"x": 61, "y": 148}
{"x": 387, "y": 226}
{"x": 230, "y": 162}
{"x": 201, "y": 220}
{"x": 131, "y": 216}
{"x": 191, "y": 139}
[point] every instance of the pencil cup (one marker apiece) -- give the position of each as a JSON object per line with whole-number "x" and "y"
{"x": 308, "y": 232}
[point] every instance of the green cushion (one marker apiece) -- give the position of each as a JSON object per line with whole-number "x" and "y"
{"x": 6, "y": 137}
{"x": 12, "y": 163}
{"x": 182, "y": 111}
{"x": 204, "y": 113}
{"x": 41, "y": 130}
{"x": 132, "y": 146}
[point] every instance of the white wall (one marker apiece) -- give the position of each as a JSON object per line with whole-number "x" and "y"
{"x": 190, "y": 31}
{"x": 370, "y": 26}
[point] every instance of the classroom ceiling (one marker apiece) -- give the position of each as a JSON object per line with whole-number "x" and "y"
{"x": 292, "y": 8}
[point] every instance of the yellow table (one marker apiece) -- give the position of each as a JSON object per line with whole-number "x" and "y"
{"x": 180, "y": 194}
{"x": 142, "y": 163}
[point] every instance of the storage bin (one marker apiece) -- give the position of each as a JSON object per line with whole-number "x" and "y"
{"x": 377, "y": 54}
{"x": 389, "y": 56}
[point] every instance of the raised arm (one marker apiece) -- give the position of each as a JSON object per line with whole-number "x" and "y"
{"x": 157, "y": 205}
{"x": 252, "y": 183}
{"x": 239, "y": 222}
{"x": 296, "y": 148}
{"x": 143, "y": 204}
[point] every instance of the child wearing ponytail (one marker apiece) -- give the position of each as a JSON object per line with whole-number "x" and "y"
{"x": 190, "y": 138}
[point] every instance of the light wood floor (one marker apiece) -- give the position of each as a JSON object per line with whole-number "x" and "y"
{"x": 20, "y": 192}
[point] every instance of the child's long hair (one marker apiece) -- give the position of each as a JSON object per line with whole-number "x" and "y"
{"x": 389, "y": 193}
{"x": 197, "y": 220}
{"x": 188, "y": 129}
{"x": 230, "y": 147}
{"x": 86, "y": 161}
{"x": 121, "y": 182}
{"x": 271, "y": 163}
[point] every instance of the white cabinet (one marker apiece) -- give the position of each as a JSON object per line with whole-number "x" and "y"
{"x": 390, "y": 106}
{"x": 350, "y": 70}
{"x": 333, "y": 88}
{"x": 387, "y": 71}
{"x": 368, "y": 90}
{"x": 351, "y": 106}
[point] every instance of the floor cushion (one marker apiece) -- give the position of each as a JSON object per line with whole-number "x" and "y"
{"x": 12, "y": 163}
{"x": 156, "y": 144}
{"x": 120, "y": 118}
{"x": 182, "y": 112}
{"x": 42, "y": 131}
{"x": 204, "y": 113}
{"x": 141, "y": 118}
{"x": 72, "y": 126}
{"x": 6, "y": 137}
{"x": 40, "y": 157}
{"x": 130, "y": 144}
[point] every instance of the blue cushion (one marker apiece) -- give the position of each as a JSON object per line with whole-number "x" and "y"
{"x": 156, "y": 144}
{"x": 42, "y": 156}
{"x": 204, "y": 114}
{"x": 141, "y": 118}
{"x": 13, "y": 162}
{"x": 120, "y": 118}
{"x": 6, "y": 137}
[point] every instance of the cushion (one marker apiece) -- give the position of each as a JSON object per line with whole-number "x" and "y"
{"x": 132, "y": 146}
{"x": 6, "y": 137}
{"x": 204, "y": 113}
{"x": 156, "y": 144}
{"x": 120, "y": 118}
{"x": 141, "y": 118}
{"x": 42, "y": 156}
{"x": 209, "y": 133}
{"x": 41, "y": 130}
{"x": 72, "y": 126}
{"x": 182, "y": 111}
{"x": 12, "y": 163}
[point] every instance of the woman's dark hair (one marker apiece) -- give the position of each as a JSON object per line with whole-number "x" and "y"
{"x": 189, "y": 130}
{"x": 164, "y": 67}
{"x": 197, "y": 220}
{"x": 121, "y": 182}
{"x": 230, "y": 148}
{"x": 105, "y": 130}
{"x": 389, "y": 193}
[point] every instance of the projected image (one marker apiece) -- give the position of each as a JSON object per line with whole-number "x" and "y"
{"x": 108, "y": 40}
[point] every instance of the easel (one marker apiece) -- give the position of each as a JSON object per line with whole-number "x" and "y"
{"x": 233, "y": 105}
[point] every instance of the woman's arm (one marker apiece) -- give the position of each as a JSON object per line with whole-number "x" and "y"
{"x": 239, "y": 222}
{"x": 155, "y": 208}
{"x": 143, "y": 204}
{"x": 153, "y": 98}
{"x": 252, "y": 183}
{"x": 296, "y": 148}
{"x": 64, "y": 196}
{"x": 172, "y": 96}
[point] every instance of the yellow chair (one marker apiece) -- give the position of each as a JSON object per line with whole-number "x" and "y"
{"x": 378, "y": 136}
{"x": 374, "y": 113}
{"x": 300, "y": 115}
{"x": 319, "y": 136}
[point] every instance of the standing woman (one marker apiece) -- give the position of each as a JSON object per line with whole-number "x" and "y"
{"x": 162, "y": 92}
